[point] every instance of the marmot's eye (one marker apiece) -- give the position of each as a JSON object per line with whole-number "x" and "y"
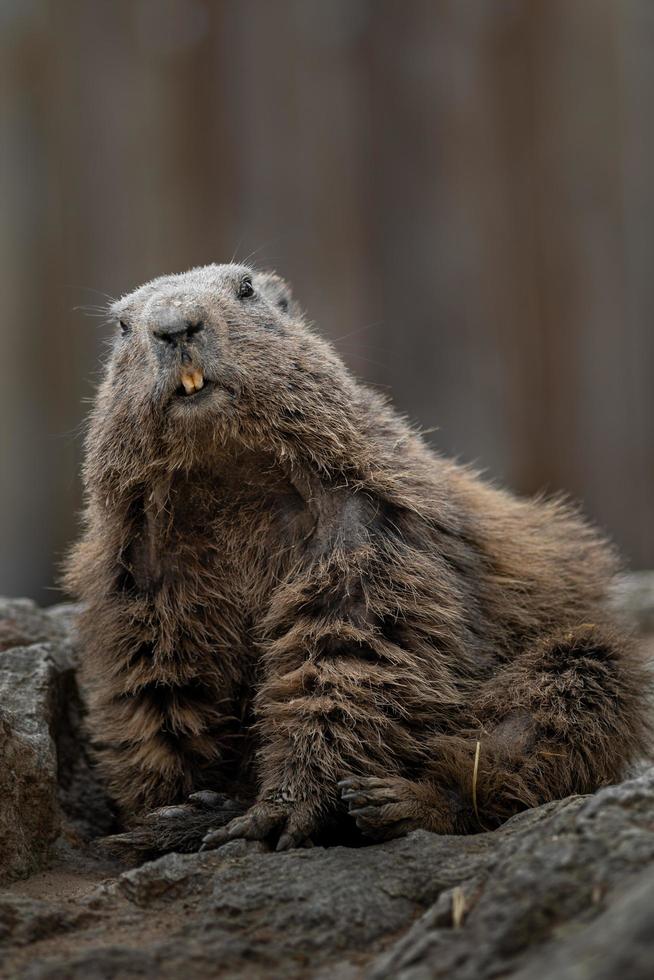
{"x": 245, "y": 288}
{"x": 124, "y": 327}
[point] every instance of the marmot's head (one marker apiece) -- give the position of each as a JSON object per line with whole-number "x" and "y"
{"x": 220, "y": 352}
{"x": 186, "y": 342}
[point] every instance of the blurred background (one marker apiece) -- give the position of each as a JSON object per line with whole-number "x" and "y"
{"x": 461, "y": 192}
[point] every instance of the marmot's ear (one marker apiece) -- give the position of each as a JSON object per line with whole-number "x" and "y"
{"x": 277, "y": 290}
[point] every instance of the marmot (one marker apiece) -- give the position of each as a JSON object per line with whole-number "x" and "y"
{"x": 288, "y": 596}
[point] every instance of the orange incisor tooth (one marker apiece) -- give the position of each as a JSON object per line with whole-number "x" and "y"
{"x": 192, "y": 381}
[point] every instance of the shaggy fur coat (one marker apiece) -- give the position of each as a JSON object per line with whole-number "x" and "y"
{"x": 290, "y": 599}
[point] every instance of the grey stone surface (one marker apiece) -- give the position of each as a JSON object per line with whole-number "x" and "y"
{"x": 555, "y": 889}
{"x": 563, "y": 891}
{"x": 634, "y": 595}
{"x": 45, "y": 781}
{"x": 32, "y": 683}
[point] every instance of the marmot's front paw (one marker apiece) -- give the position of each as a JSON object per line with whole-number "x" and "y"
{"x": 393, "y": 806}
{"x": 292, "y": 825}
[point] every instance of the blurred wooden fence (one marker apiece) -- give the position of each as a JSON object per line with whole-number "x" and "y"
{"x": 460, "y": 190}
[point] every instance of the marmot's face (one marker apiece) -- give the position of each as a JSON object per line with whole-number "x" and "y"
{"x": 195, "y": 342}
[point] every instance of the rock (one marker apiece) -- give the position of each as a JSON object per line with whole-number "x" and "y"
{"x": 550, "y": 874}
{"x": 634, "y": 595}
{"x": 42, "y": 756}
{"x": 554, "y": 890}
{"x": 25, "y": 920}
{"x": 32, "y": 682}
{"x": 562, "y": 891}
{"x": 23, "y": 623}
{"x": 618, "y": 943}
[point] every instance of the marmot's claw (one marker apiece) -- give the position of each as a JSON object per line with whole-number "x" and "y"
{"x": 207, "y": 799}
{"x": 381, "y": 808}
{"x": 213, "y": 839}
{"x": 262, "y": 821}
{"x": 293, "y": 839}
{"x": 353, "y": 797}
{"x": 176, "y": 811}
{"x": 257, "y": 824}
{"x": 364, "y": 812}
{"x": 365, "y": 782}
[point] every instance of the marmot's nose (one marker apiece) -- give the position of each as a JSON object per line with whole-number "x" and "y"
{"x": 171, "y": 327}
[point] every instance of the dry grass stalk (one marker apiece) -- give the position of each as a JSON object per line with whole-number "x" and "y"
{"x": 458, "y": 907}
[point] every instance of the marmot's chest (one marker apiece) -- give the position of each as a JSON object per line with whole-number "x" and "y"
{"x": 221, "y": 534}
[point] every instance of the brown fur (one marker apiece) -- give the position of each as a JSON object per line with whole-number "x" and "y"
{"x": 286, "y": 588}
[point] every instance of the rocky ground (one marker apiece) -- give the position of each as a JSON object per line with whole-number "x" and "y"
{"x": 563, "y": 892}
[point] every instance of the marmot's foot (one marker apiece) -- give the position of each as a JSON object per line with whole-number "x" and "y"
{"x": 180, "y": 827}
{"x": 384, "y": 808}
{"x": 291, "y": 825}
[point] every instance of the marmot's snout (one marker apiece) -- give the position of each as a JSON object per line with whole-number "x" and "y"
{"x": 171, "y": 328}
{"x": 176, "y": 341}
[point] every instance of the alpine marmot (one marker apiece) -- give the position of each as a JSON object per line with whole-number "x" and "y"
{"x": 291, "y": 600}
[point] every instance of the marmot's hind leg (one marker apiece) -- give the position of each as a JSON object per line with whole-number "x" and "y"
{"x": 180, "y": 827}
{"x": 565, "y": 717}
